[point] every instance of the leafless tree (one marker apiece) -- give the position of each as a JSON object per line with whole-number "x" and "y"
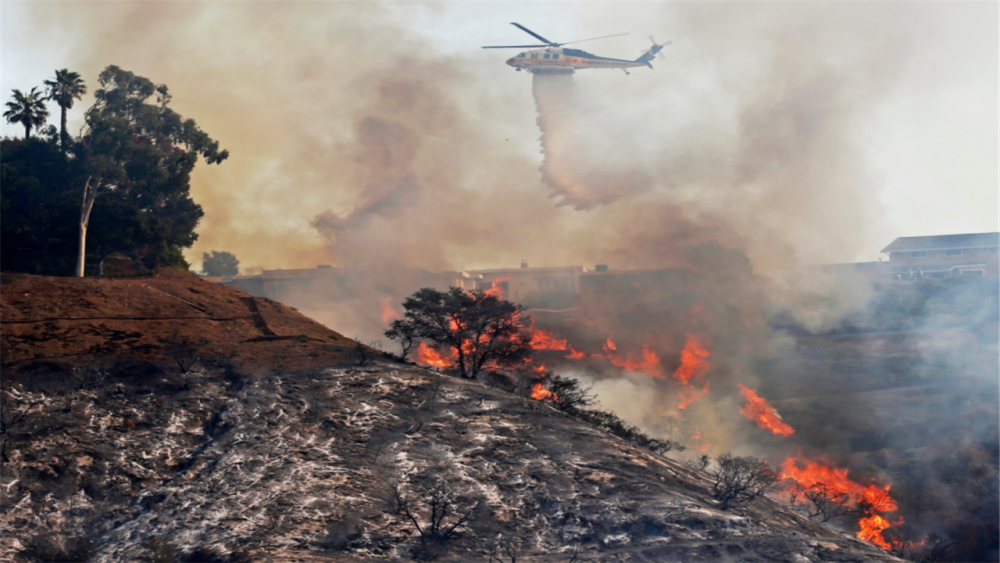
{"x": 739, "y": 481}
{"x": 569, "y": 395}
{"x": 699, "y": 464}
{"x": 363, "y": 354}
{"x": 437, "y": 511}
{"x": 507, "y": 546}
{"x": 183, "y": 351}
{"x": 823, "y": 502}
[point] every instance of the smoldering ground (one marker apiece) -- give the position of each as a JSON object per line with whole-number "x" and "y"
{"x": 358, "y": 143}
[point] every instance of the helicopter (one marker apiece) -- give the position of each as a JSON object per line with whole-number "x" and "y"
{"x": 552, "y": 58}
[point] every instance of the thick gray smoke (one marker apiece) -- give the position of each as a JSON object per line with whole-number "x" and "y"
{"x": 359, "y": 143}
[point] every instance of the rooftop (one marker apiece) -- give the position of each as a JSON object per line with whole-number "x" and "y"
{"x": 941, "y": 242}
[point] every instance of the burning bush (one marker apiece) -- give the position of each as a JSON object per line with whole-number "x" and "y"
{"x": 481, "y": 330}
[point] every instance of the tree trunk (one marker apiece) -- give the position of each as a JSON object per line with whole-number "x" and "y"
{"x": 27, "y": 131}
{"x": 83, "y": 248}
{"x": 62, "y": 130}
{"x": 89, "y": 195}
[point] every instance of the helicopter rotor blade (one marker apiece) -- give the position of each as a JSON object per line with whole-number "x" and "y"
{"x": 515, "y": 47}
{"x": 591, "y": 39}
{"x": 532, "y": 33}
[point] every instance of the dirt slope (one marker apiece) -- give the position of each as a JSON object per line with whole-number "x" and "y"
{"x": 77, "y": 320}
{"x": 131, "y": 460}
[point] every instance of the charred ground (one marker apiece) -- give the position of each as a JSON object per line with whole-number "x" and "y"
{"x": 275, "y": 446}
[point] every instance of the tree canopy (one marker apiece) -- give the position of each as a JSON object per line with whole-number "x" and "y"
{"x": 64, "y": 89}
{"x": 483, "y": 331}
{"x": 27, "y": 109}
{"x": 135, "y": 152}
{"x": 220, "y": 264}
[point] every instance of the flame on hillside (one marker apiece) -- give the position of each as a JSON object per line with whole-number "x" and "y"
{"x": 763, "y": 414}
{"x": 430, "y": 357}
{"x": 821, "y": 475}
{"x": 540, "y": 393}
{"x": 694, "y": 366}
{"x": 543, "y": 339}
{"x": 647, "y": 362}
{"x": 694, "y": 361}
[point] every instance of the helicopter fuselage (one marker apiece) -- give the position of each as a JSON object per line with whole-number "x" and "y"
{"x": 561, "y": 60}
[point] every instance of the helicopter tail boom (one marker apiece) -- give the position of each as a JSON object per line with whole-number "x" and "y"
{"x": 651, "y": 54}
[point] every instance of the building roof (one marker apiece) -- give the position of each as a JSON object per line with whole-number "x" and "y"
{"x": 532, "y": 270}
{"x": 942, "y": 242}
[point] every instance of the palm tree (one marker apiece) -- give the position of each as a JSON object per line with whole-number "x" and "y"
{"x": 63, "y": 89}
{"x": 27, "y": 109}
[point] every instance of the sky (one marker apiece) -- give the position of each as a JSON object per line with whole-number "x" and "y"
{"x": 829, "y": 128}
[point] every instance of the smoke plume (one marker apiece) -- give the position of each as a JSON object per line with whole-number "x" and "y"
{"x": 359, "y": 143}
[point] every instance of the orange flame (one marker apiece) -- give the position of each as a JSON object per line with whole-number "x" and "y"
{"x": 763, "y": 414}
{"x": 574, "y": 355}
{"x": 430, "y": 357}
{"x": 705, "y": 448}
{"x": 543, "y": 339}
{"x": 388, "y": 313}
{"x": 694, "y": 366}
{"x": 648, "y": 363}
{"x": 497, "y": 288}
{"x": 869, "y": 499}
{"x": 540, "y": 393}
{"x": 694, "y": 361}
{"x": 872, "y": 528}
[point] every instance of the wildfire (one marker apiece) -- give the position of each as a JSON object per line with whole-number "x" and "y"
{"x": 872, "y": 528}
{"x": 430, "y": 357}
{"x": 574, "y": 355}
{"x": 497, "y": 288}
{"x": 649, "y": 362}
{"x": 388, "y": 313}
{"x": 540, "y": 393}
{"x": 838, "y": 488}
{"x": 694, "y": 361}
{"x": 763, "y": 414}
{"x": 543, "y": 339}
{"x": 694, "y": 365}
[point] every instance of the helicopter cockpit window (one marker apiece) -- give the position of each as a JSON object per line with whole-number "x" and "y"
{"x": 546, "y": 55}
{"x": 520, "y": 55}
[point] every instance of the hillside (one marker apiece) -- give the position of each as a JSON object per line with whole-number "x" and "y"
{"x": 273, "y": 446}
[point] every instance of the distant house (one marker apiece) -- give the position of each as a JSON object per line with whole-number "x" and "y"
{"x": 518, "y": 283}
{"x": 944, "y": 255}
{"x": 606, "y": 292}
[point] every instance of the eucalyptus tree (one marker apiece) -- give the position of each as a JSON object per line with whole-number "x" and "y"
{"x": 66, "y": 87}
{"x": 137, "y": 149}
{"x": 27, "y": 109}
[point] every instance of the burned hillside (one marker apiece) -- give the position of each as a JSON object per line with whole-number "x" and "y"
{"x": 253, "y": 457}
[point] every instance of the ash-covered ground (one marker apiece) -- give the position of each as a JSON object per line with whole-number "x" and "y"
{"x": 111, "y": 458}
